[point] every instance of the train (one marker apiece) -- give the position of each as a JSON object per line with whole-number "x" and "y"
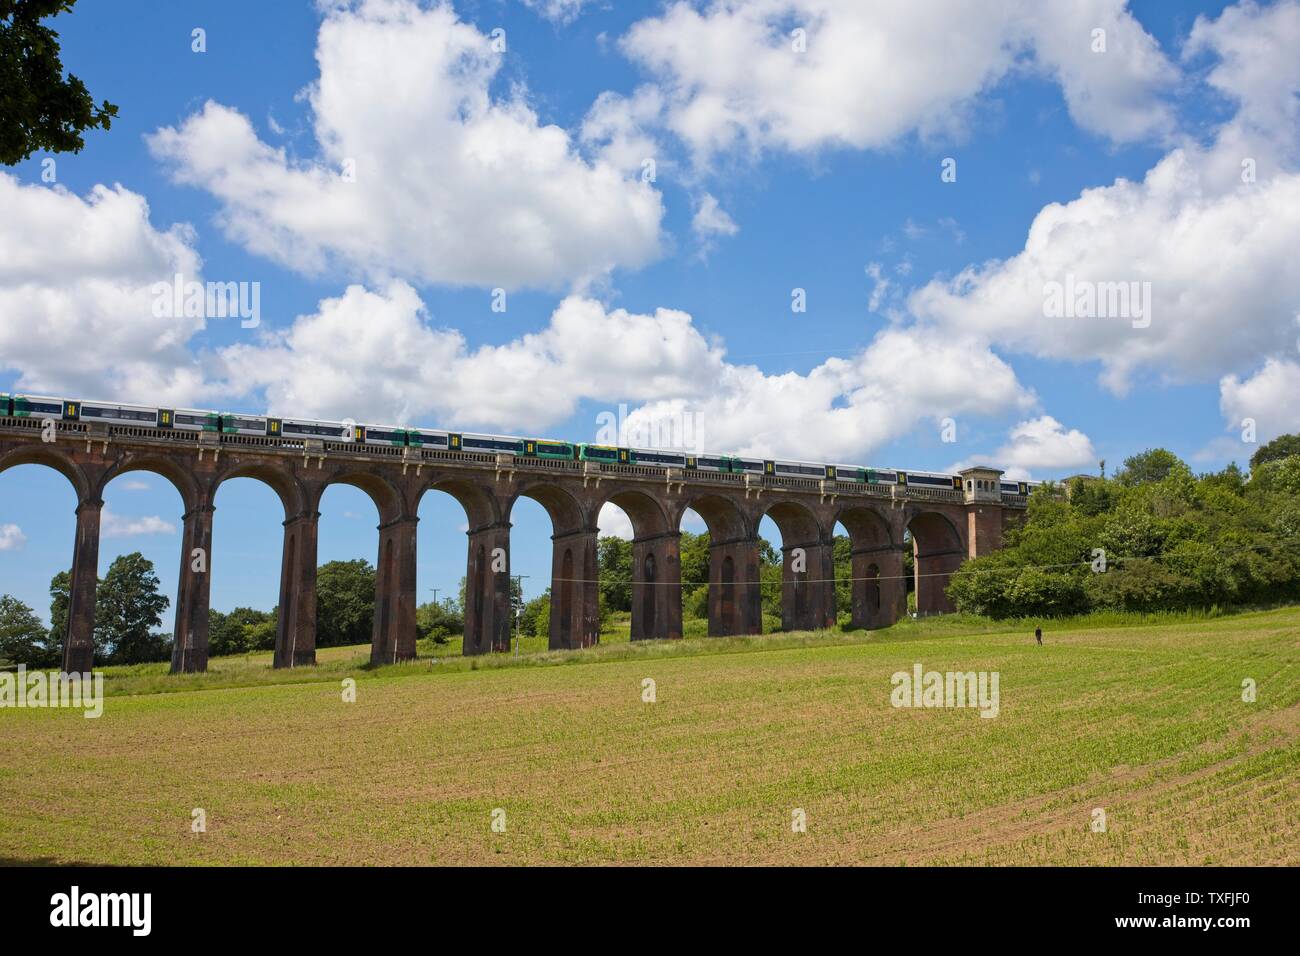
{"x": 400, "y": 436}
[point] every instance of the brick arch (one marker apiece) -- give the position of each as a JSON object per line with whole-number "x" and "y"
{"x": 51, "y": 456}
{"x": 566, "y": 511}
{"x": 648, "y": 513}
{"x": 938, "y": 549}
{"x": 488, "y": 612}
{"x": 193, "y": 494}
{"x": 482, "y": 508}
{"x": 807, "y": 568}
{"x": 656, "y": 589}
{"x": 735, "y": 604}
{"x": 575, "y": 607}
{"x": 388, "y": 500}
{"x": 78, "y": 641}
{"x": 877, "y": 588}
{"x": 293, "y": 497}
{"x": 723, "y": 516}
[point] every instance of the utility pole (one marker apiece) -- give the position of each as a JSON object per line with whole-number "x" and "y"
{"x": 519, "y": 579}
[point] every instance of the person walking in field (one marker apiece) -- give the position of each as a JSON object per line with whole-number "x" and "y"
{"x": 1038, "y": 636}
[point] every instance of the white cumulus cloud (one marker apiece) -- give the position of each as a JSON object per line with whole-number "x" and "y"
{"x": 113, "y": 525}
{"x": 739, "y": 73}
{"x": 11, "y": 537}
{"x": 1211, "y": 230}
{"x": 419, "y": 172}
{"x": 77, "y": 270}
{"x": 1038, "y": 444}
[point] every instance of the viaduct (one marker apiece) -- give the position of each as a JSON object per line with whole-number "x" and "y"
{"x": 946, "y": 526}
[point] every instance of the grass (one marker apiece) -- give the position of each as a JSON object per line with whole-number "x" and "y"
{"x": 1142, "y": 719}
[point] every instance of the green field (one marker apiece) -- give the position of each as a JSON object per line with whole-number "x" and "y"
{"x": 1145, "y": 722}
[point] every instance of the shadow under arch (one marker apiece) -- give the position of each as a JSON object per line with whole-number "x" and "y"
{"x": 575, "y": 601}
{"x": 807, "y": 567}
{"x": 735, "y": 597}
{"x": 878, "y": 587}
{"x": 938, "y": 549}
{"x": 656, "y": 585}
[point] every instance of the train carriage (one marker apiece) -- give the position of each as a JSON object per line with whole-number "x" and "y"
{"x": 487, "y": 444}
{"x": 386, "y": 435}
{"x": 929, "y": 479}
{"x": 719, "y": 463}
{"x": 189, "y": 420}
{"x": 550, "y": 449}
{"x": 607, "y": 454}
{"x": 114, "y": 414}
{"x": 237, "y": 424}
{"x": 42, "y": 406}
{"x": 658, "y": 459}
{"x": 428, "y": 438}
{"x": 306, "y": 428}
{"x": 800, "y": 469}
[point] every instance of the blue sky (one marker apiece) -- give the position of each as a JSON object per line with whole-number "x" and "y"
{"x": 776, "y": 170}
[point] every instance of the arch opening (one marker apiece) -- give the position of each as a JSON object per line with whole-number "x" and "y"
{"x": 872, "y": 553}
{"x": 38, "y": 540}
{"x": 937, "y": 551}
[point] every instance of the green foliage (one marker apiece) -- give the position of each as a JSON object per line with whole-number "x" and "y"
{"x": 694, "y": 549}
{"x": 40, "y": 109}
{"x": 60, "y": 589}
{"x": 1278, "y": 475}
{"x": 1171, "y": 540}
{"x": 1151, "y": 465}
{"x": 127, "y": 609}
{"x": 345, "y": 603}
{"x": 1284, "y": 446}
{"x": 614, "y": 560}
{"x": 241, "y": 631}
{"x": 439, "y": 622}
{"x": 22, "y": 635}
{"x": 535, "y": 617}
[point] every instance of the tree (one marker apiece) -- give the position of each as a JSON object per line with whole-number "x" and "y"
{"x": 260, "y": 635}
{"x": 438, "y": 621}
{"x": 345, "y": 603}
{"x": 1170, "y": 540}
{"x": 60, "y": 600}
{"x": 694, "y": 551}
{"x": 614, "y": 564}
{"x": 1284, "y": 446}
{"x": 535, "y": 618}
{"x": 127, "y": 609}
{"x": 22, "y": 635}
{"x": 40, "y": 109}
{"x": 242, "y": 630}
{"x": 1154, "y": 464}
